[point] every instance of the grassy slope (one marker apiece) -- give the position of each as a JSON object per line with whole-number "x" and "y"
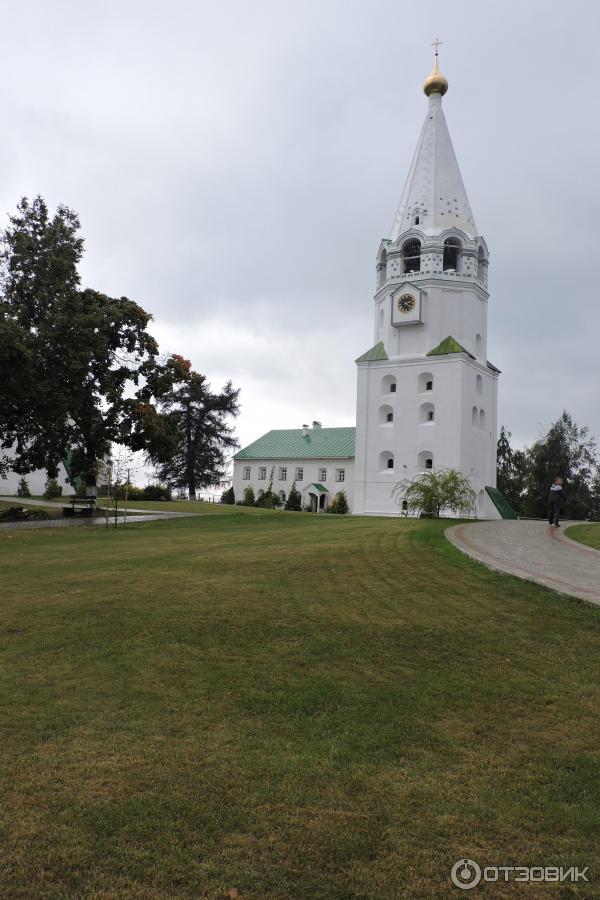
{"x": 298, "y": 706}
{"x": 585, "y": 534}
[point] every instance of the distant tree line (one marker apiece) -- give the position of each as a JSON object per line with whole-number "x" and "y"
{"x": 566, "y": 450}
{"x": 79, "y": 370}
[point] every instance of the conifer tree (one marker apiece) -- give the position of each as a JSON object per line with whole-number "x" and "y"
{"x": 294, "y": 500}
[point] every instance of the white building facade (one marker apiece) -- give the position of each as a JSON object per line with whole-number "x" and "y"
{"x": 426, "y": 393}
{"x": 319, "y": 461}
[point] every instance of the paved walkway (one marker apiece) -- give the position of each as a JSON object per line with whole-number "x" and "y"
{"x": 535, "y": 551}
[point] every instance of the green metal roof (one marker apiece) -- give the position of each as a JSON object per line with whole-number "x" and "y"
{"x": 501, "y": 503}
{"x": 319, "y": 487}
{"x": 376, "y": 352}
{"x": 449, "y": 345}
{"x": 320, "y": 443}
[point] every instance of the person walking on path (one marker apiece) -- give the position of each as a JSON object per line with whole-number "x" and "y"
{"x": 557, "y": 496}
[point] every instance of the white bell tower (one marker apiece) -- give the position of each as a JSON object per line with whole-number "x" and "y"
{"x": 426, "y": 392}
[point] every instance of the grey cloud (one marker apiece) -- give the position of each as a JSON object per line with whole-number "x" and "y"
{"x": 240, "y": 164}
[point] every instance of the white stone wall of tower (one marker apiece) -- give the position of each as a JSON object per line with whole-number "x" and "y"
{"x": 461, "y": 434}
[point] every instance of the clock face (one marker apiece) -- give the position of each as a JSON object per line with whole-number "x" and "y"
{"x": 406, "y": 303}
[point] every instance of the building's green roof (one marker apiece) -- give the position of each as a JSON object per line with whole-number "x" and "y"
{"x": 324, "y": 443}
{"x": 449, "y": 345}
{"x": 319, "y": 487}
{"x": 376, "y": 352}
{"x": 493, "y": 367}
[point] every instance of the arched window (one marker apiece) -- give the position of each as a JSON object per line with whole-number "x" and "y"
{"x": 478, "y": 343}
{"x": 388, "y": 385}
{"x": 451, "y": 255}
{"x": 411, "y": 254}
{"x": 386, "y": 415}
{"x": 479, "y": 384}
{"x": 426, "y": 413}
{"x": 382, "y": 269}
{"x": 282, "y": 495}
{"x": 481, "y": 419}
{"x": 386, "y": 461}
{"x": 381, "y": 314}
{"x": 425, "y": 459}
{"x": 474, "y": 417}
{"x": 480, "y": 265}
{"x": 425, "y": 382}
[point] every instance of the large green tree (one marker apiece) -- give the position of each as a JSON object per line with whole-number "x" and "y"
{"x": 566, "y": 450}
{"x": 197, "y": 427}
{"x": 78, "y": 369}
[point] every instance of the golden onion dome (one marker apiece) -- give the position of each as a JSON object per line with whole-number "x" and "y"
{"x": 436, "y": 83}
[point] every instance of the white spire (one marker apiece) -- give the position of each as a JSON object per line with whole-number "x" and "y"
{"x": 434, "y": 192}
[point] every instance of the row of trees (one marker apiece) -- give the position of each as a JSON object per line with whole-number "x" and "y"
{"x": 270, "y": 500}
{"x": 566, "y": 450}
{"x": 80, "y": 371}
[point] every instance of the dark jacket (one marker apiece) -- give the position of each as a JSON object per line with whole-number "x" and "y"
{"x": 557, "y": 495}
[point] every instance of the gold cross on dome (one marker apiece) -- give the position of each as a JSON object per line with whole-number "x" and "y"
{"x": 437, "y": 43}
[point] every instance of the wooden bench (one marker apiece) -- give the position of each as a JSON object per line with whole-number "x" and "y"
{"x": 81, "y": 506}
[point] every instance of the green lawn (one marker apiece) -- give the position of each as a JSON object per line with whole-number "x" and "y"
{"x": 296, "y": 706}
{"x": 585, "y": 534}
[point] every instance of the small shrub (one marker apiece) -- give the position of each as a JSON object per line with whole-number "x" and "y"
{"x": 294, "y": 500}
{"x": 269, "y": 500}
{"x": 249, "y": 496}
{"x": 19, "y": 514}
{"x": 228, "y": 497}
{"x": 23, "y": 488}
{"x": 156, "y": 492}
{"x": 53, "y": 489}
{"x": 339, "y": 504}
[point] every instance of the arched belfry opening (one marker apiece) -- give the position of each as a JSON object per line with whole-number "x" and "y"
{"x": 451, "y": 255}
{"x": 411, "y": 256}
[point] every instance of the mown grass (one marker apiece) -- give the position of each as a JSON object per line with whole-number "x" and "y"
{"x": 196, "y": 506}
{"x": 295, "y": 706}
{"x": 585, "y": 534}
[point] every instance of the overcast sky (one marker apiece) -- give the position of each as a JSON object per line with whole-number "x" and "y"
{"x": 235, "y": 166}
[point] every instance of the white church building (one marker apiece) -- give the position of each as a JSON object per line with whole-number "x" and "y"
{"x": 426, "y": 392}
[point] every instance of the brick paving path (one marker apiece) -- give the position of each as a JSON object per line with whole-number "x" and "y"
{"x": 535, "y": 551}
